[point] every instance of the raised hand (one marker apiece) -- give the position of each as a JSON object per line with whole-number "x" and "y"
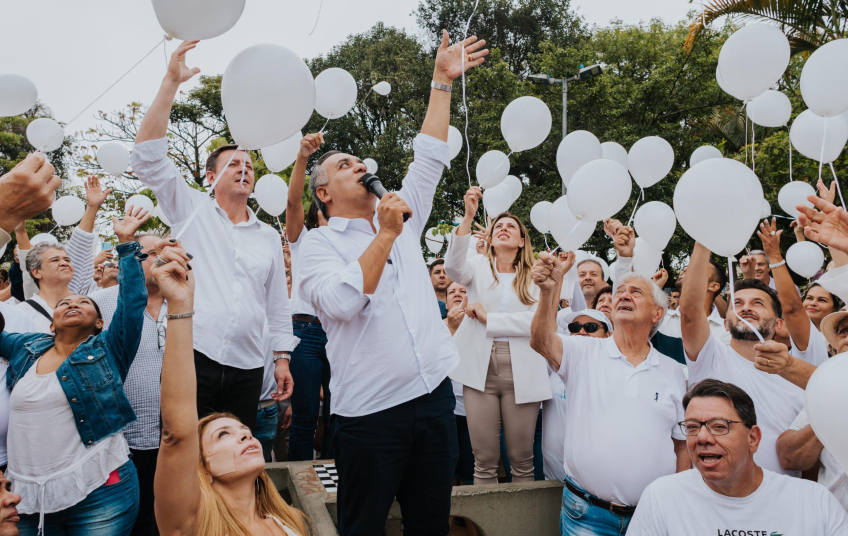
{"x": 172, "y": 273}
{"x": 178, "y": 71}
{"x": 611, "y": 227}
{"x": 548, "y": 270}
{"x": 103, "y": 256}
{"x": 567, "y": 258}
{"x": 660, "y": 278}
{"x": 449, "y": 59}
{"x": 471, "y": 199}
{"x": 828, "y": 194}
{"x": 770, "y": 237}
{"x": 94, "y": 194}
{"x": 828, "y": 225}
{"x": 746, "y": 266}
{"x": 476, "y": 311}
{"x": 624, "y": 241}
{"x": 126, "y": 227}
{"x": 25, "y": 191}
{"x": 456, "y": 315}
{"x": 309, "y": 144}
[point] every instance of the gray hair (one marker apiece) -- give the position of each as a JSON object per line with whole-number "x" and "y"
{"x": 318, "y": 179}
{"x": 760, "y": 252}
{"x": 35, "y": 260}
{"x": 656, "y": 293}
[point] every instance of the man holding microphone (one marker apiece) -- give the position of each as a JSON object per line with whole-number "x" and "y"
{"x": 390, "y": 352}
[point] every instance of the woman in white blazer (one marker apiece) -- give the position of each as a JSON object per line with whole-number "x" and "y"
{"x": 504, "y": 379}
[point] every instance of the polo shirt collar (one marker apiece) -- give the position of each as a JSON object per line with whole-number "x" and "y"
{"x": 652, "y": 360}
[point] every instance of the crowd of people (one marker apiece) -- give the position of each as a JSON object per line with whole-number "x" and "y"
{"x": 146, "y": 385}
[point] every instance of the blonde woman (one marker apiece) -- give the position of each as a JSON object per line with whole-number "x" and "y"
{"x": 210, "y": 476}
{"x": 504, "y": 379}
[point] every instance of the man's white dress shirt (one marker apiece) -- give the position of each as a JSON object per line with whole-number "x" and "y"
{"x": 240, "y": 270}
{"x": 391, "y": 346}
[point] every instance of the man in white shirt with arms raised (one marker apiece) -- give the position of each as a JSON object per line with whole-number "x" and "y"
{"x": 390, "y": 352}
{"x": 729, "y": 494}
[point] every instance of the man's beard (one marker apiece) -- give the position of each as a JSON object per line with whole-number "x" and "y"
{"x": 741, "y": 332}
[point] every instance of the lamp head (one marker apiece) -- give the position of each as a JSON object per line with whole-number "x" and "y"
{"x": 590, "y": 72}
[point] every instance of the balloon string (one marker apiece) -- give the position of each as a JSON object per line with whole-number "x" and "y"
{"x": 325, "y": 124}
{"x": 746, "y": 134}
{"x": 281, "y": 226}
{"x": 790, "y": 153}
{"x": 50, "y": 232}
{"x": 243, "y": 164}
{"x": 501, "y": 164}
{"x": 838, "y": 189}
{"x": 824, "y": 139}
{"x": 165, "y": 51}
{"x": 363, "y": 98}
{"x": 753, "y": 146}
{"x": 733, "y": 300}
{"x": 635, "y": 207}
{"x": 545, "y": 236}
{"x": 209, "y": 193}
{"x": 318, "y": 17}
{"x": 464, "y": 103}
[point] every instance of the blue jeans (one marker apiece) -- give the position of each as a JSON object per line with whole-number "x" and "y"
{"x": 107, "y": 511}
{"x": 579, "y": 517}
{"x": 266, "y": 429}
{"x": 310, "y": 371}
{"x": 538, "y": 460}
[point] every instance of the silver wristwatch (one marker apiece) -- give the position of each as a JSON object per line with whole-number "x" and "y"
{"x": 442, "y": 87}
{"x": 282, "y": 355}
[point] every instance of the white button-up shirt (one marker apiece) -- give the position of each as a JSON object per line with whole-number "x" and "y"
{"x": 392, "y": 346}
{"x": 670, "y": 325}
{"x": 299, "y": 306}
{"x": 619, "y": 419}
{"x": 240, "y": 270}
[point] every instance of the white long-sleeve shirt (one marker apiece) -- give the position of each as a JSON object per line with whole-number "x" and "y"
{"x": 392, "y": 346}
{"x": 240, "y": 270}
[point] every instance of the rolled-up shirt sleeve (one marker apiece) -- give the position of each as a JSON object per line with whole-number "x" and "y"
{"x": 149, "y": 160}
{"x": 332, "y": 286}
{"x": 278, "y": 307}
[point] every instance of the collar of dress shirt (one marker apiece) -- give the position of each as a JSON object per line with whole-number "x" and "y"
{"x": 340, "y": 224}
{"x": 652, "y": 360}
{"x": 251, "y": 216}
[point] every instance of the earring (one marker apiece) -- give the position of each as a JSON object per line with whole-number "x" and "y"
{"x": 209, "y": 477}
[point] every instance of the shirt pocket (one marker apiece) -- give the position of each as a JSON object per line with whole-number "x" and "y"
{"x": 256, "y": 263}
{"x": 93, "y": 369}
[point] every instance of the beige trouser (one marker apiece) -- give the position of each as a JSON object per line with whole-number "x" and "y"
{"x": 486, "y": 411}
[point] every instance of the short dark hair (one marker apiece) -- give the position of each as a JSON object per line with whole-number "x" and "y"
{"x": 719, "y": 276}
{"x": 435, "y": 263}
{"x": 212, "y": 159}
{"x": 740, "y": 400}
{"x": 673, "y": 290}
{"x": 606, "y": 290}
{"x": 320, "y": 178}
{"x": 4, "y": 275}
{"x": 756, "y": 284}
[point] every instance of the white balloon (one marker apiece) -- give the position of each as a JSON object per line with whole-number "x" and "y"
{"x": 824, "y": 79}
{"x": 281, "y": 155}
{"x": 45, "y": 134}
{"x": 807, "y": 134}
{"x": 614, "y": 151}
{"x": 646, "y": 258}
{"x": 113, "y": 158}
{"x": 335, "y": 92}
{"x": 792, "y": 194}
{"x": 371, "y": 164}
{"x": 492, "y": 169}
{"x": 268, "y": 95}
{"x": 655, "y": 223}
{"x": 576, "y": 149}
{"x": 515, "y": 186}
{"x": 724, "y": 87}
{"x": 826, "y": 396}
{"x": 569, "y": 233}
{"x": 141, "y": 201}
{"x": 598, "y": 190}
{"x": 68, "y": 210}
{"x": 194, "y": 20}
{"x": 722, "y": 223}
{"x": 454, "y": 141}
{"x": 805, "y": 258}
{"x": 159, "y": 213}
{"x": 766, "y": 210}
{"x": 649, "y": 160}
{"x": 525, "y": 123}
{"x": 704, "y": 152}
{"x": 272, "y": 194}
{"x": 434, "y": 240}
{"x": 383, "y": 88}
{"x": 43, "y": 237}
{"x": 17, "y": 95}
{"x": 771, "y": 109}
{"x": 539, "y": 216}
{"x": 497, "y": 199}
{"x": 753, "y": 59}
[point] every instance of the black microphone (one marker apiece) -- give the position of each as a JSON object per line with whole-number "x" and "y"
{"x": 375, "y": 186}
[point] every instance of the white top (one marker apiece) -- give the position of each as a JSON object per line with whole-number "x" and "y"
{"x": 49, "y": 466}
{"x": 776, "y": 400}
{"x": 241, "y": 281}
{"x": 682, "y": 504}
{"x": 831, "y": 474}
{"x": 553, "y": 431}
{"x": 17, "y": 319}
{"x": 562, "y": 325}
{"x": 460, "y": 399}
{"x": 36, "y": 322}
{"x": 299, "y": 306}
{"x": 816, "y": 351}
{"x": 288, "y": 531}
{"x": 391, "y": 346}
{"x": 620, "y": 419}
{"x": 506, "y": 294}
{"x": 4, "y": 412}
{"x": 670, "y": 325}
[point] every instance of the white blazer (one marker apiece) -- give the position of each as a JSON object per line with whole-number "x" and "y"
{"x": 474, "y": 339}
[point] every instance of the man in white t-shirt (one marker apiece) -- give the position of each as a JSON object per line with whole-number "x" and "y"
{"x": 729, "y": 494}
{"x": 624, "y": 402}
{"x": 766, "y": 371}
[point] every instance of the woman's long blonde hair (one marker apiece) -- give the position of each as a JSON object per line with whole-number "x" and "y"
{"x": 216, "y": 518}
{"x": 523, "y": 260}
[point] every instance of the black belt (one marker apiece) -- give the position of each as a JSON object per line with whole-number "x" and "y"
{"x": 309, "y": 319}
{"x": 617, "y": 509}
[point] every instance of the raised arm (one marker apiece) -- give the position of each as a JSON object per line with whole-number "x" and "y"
{"x": 829, "y": 226}
{"x": 176, "y": 486}
{"x": 28, "y": 189}
{"x": 124, "y": 333}
{"x": 693, "y": 318}
{"x": 81, "y": 244}
{"x": 456, "y": 259}
{"x": 547, "y": 273}
{"x": 294, "y": 206}
{"x": 155, "y": 122}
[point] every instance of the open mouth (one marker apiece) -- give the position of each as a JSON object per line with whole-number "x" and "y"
{"x": 624, "y": 307}
{"x": 252, "y": 449}
{"x": 710, "y": 460}
{"x": 749, "y": 317}
{"x": 73, "y": 312}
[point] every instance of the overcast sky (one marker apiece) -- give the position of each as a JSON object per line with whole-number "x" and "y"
{"x": 74, "y": 49}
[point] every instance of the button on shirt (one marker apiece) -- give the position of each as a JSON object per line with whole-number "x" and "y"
{"x": 388, "y": 347}
{"x": 619, "y": 419}
{"x": 240, "y": 268}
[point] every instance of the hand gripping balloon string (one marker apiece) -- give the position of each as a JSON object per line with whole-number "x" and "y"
{"x": 209, "y": 193}
{"x": 325, "y": 124}
{"x": 824, "y": 139}
{"x": 838, "y": 189}
{"x": 464, "y": 103}
{"x": 733, "y": 300}
{"x": 317, "y": 17}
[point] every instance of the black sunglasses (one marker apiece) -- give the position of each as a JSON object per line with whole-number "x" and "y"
{"x": 590, "y": 327}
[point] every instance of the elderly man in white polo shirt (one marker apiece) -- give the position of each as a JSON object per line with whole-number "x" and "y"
{"x": 624, "y": 403}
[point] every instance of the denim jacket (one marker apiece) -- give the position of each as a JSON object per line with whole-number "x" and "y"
{"x": 93, "y": 375}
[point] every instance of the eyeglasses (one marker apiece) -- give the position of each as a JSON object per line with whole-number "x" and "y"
{"x": 160, "y": 332}
{"x": 590, "y": 327}
{"x": 716, "y": 427}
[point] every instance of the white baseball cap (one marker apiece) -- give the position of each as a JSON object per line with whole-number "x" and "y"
{"x": 594, "y": 313}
